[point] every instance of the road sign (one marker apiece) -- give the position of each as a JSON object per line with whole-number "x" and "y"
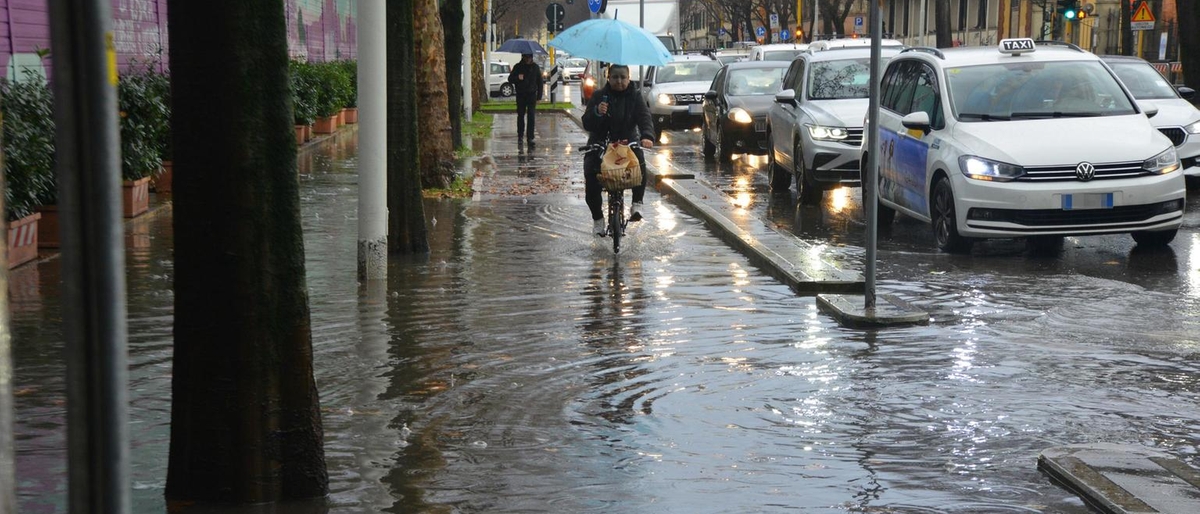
{"x": 774, "y": 21}
{"x": 721, "y": 31}
{"x": 597, "y": 6}
{"x": 858, "y": 25}
{"x": 785, "y": 34}
{"x": 1142, "y": 18}
{"x": 760, "y": 32}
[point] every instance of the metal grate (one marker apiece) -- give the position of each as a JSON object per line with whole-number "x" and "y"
{"x": 1066, "y": 172}
{"x": 760, "y": 124}
{"x": 854, "y": 136}
{"x": 1175, "y": 134}
{"x": 688, "y": 99}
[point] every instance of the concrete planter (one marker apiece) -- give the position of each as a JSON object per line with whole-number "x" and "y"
{"x": 23, "y": 240}
{"x": 135, "y": 197}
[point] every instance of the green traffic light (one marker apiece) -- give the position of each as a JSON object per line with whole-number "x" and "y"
{"x": 1069, "y": 14}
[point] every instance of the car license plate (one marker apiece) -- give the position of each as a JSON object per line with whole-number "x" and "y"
{"x": 695, "y": 108}
{"x": 1087, "y": 201}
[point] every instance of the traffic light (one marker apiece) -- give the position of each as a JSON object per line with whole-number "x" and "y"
{"x": 554, "y": 29}
{"x": 1068, "y": 8}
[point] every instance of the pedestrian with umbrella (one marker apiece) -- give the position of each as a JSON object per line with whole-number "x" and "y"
{"x": 526, "y": 78}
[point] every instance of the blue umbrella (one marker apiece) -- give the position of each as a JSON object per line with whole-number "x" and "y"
{"x": 612, "y": 41}
{"x": 522, "y": 46}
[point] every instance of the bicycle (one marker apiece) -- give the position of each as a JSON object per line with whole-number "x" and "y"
{"x": 617, "y": 222}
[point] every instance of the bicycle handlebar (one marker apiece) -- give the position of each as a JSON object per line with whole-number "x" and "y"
{"x": 596, "y": 147}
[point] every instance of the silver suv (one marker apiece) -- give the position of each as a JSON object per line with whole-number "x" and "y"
{"x": 815, "y": 128}
{"x": 675, "y": 92}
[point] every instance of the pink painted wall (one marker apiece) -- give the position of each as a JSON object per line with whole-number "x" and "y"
{"x": 318, "y": 30}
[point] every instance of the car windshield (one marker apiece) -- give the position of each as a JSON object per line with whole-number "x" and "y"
{"x": 1145, "y": 82}
{"x": 688, "y": 71}
{"x": 1035, "y": 90}
{"x": 575, "y": 63}
{"x": 780, "y": 55}
{"x": 755, "y": 81}
{"x": 840, "y": 79}
{"x": 728, "y": 58}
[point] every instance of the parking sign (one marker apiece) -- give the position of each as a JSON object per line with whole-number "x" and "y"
{"x": 858, "y": 24}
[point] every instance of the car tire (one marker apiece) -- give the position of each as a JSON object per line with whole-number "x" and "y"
{"x": 709, "y": 148}
{"x": 507, "y": 90}
{"x": 781, "y": 180}
{"x": 1154, "y": 238}
{"x": 945, "y": 221}
{"x": 810, "y": 194}
{"x": 724, "y": 152}
{"x": 1192, "y": 183}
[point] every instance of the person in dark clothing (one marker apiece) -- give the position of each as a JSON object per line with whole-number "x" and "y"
{"x": 615, "y": 113}
{"x": 526, "y": 78}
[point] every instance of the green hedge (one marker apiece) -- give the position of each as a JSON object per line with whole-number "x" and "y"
{"x": 28, "y": 109}
{"x": 322, "y": 89}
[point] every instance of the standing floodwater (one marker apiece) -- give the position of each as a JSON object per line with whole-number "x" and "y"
{"x": 521, "y": 367}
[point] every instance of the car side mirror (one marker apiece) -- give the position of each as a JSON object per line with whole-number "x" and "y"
{"x": 787, "y": 96}
{"x": 710, "y": 95}
{"x": 917, "y": 121}
{"x": 1186, "y": 92}
{"x": 1148, "y": 109}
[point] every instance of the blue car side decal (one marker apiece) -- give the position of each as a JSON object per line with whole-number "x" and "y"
{"x": 902, "y": 170}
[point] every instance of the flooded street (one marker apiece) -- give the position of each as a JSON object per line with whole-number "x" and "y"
{"x": 520, "y": 367}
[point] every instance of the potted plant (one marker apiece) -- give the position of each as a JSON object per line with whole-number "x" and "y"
{"x": 159, "y": 84}
{"x": 28, "y": 132}
{"x": 330, "y": 85}
{"x": 300, "y": 78}
{"x": 145, "y": 124}
{"x": 350, "y": 93}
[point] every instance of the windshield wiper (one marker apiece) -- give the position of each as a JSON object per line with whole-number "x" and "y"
{"x": 983, "y": 116}
{"x": 1056, "y": 114}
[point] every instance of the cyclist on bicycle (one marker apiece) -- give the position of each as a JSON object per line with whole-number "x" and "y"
{"x": 615, "y": 113}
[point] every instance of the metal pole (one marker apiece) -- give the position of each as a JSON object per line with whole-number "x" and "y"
{"x": 870, "y": 193}
{"x": 468, "y": 62}
{"x": 816, "y": 15}
{"x": 924, "y": 22}
{"x": 372, "y": 140}
{"x": 93, "y": 255}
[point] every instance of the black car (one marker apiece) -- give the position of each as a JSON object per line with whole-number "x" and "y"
{"x": 736, "y": 106}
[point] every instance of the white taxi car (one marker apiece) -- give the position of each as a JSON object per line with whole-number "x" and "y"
{"x": 1028, "y": 141}
{"x": 1177, "y": 118}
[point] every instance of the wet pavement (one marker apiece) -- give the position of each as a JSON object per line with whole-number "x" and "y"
{"x": 521, "y": 367}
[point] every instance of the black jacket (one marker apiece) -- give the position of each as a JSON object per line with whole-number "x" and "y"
{"x": 532, "y": 84}
{"x": 628, "y": 117}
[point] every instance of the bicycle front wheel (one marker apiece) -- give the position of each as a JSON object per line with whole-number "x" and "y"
{"x": 616, "y": 213}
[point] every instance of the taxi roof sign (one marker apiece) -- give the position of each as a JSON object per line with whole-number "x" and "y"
{"x": 1017, "y": 46}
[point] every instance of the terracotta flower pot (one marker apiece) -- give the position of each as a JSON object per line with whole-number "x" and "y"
{"x": 23, "y": 240}
{"x": 48, "y": 226}
{"x": 161, "y": 183}
{"x": 325, "y": 125}
{"x": 341, "y": 117}
{"x": 351, "y": 114}
{"x": 135, "y": 196}
{"x": 300, "y": 134}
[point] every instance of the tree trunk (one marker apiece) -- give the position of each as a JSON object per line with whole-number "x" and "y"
{"x": 245, "y": 419}
{"x": 437, "y": 153}
{"x": 479, "y": 92}
{"x": 406, "y": 212}
{"x": 1187, "y": 14}
{"x": 452, "y": 18}
{"x": 945, "y": 37}
{"x": 1127, "y": 35}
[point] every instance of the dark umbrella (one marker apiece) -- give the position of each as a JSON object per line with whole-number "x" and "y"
{"x": 522, "y": 46}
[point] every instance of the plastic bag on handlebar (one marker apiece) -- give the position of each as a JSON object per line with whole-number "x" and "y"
{"x": 620, "y": 168}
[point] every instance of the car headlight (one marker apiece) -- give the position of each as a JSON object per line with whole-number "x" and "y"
{"x": 983, "y": 169}
{"x": 1162, "y": 163}
{"x": 740, "y": 115}
{"x": 1193, "y": 128}
{"x": 827, "y": 133}
{"x": 666, "y": 99}
{"x": 590, "y": 82}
